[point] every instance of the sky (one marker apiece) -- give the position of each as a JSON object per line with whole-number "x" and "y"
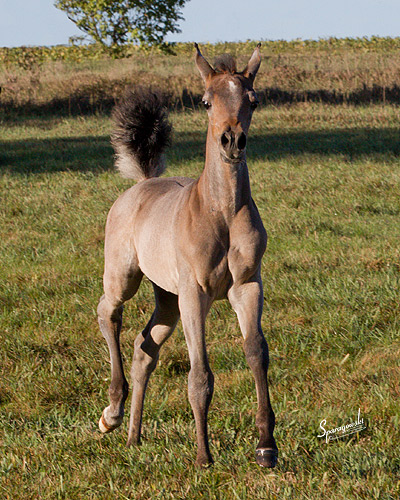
{"x": 38, "y": 22}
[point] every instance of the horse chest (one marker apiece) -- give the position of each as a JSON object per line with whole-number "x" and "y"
{"x": 221, "y": 262}
{"x": 210, "y": 265}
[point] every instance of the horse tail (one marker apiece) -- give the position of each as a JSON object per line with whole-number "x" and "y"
{"x": 141, "y": 134}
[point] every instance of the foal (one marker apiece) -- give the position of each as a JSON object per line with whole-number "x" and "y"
{"x": 196, "y": 240}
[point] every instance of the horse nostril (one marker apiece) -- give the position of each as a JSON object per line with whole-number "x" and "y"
{"x": 241, "y": 141}
{"x": 225, "y": 140}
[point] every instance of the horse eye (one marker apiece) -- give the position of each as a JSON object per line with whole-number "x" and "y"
{"x": 206, "y": 104}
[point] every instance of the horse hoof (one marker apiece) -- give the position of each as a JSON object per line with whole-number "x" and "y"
{"x": 267, "y": 457}
{"x": 106, "y": 428}
{"x": 204, "y": 462}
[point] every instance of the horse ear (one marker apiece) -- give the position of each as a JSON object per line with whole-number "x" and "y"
{"x": 251, "y": 69}
{"x": 202, "y": 65}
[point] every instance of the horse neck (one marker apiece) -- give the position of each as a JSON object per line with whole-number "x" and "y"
{"x": 224, "y": 188}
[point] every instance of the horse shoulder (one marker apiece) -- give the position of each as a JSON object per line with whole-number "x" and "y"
{"x": 248, "y": 241}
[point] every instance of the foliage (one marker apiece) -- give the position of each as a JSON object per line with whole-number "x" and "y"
{"x": 114, "y": 23}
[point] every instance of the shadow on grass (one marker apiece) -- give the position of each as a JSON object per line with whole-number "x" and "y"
{"x": 97, "y": 100}
{"x": 351, "y": 143}
{"x": 358, "y": 97}
{"x": 84, "y": 154}
{"x": 94, "y": 154}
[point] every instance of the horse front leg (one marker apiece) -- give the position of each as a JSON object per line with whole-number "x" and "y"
{"x": 247, "y": 301}
{"x": 194, "y": 306}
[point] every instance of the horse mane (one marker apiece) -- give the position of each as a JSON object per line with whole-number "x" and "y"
{"x": 225, "y": 63}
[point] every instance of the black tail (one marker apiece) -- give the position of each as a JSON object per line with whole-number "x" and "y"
{"x": 141, "y": 134}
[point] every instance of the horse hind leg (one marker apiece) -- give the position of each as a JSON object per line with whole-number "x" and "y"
{"x": 109, "y": 312}
{"x": 147, "y": 347}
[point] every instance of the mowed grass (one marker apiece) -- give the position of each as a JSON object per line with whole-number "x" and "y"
{"x": 327, "y": 182}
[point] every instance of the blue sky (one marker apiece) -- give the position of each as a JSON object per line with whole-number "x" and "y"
{"x": 38, "y": 22}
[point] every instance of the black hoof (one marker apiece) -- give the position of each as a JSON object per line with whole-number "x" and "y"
{"x": 267, "y": 457}
{"x": 204, "y": 464}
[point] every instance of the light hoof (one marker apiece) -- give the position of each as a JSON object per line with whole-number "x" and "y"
{"x": 267, "y": 457}
{"x": 106, "y": 428}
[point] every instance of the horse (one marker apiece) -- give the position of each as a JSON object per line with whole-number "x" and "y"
{"x": 197, "y": 241}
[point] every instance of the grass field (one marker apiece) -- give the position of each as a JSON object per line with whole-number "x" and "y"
{"x": 327, "y": 182}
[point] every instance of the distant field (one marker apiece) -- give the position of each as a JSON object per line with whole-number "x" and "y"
{"x": 81, "y": 80}
{"x": 326, "y": 178}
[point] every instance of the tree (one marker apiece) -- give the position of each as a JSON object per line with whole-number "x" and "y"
{"x": 113, "y": 23}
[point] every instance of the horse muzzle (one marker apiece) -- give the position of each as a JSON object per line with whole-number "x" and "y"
{"x": 233, "y": 146}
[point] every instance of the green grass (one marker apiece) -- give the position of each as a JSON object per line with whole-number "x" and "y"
{"x": 327, "y": 182}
